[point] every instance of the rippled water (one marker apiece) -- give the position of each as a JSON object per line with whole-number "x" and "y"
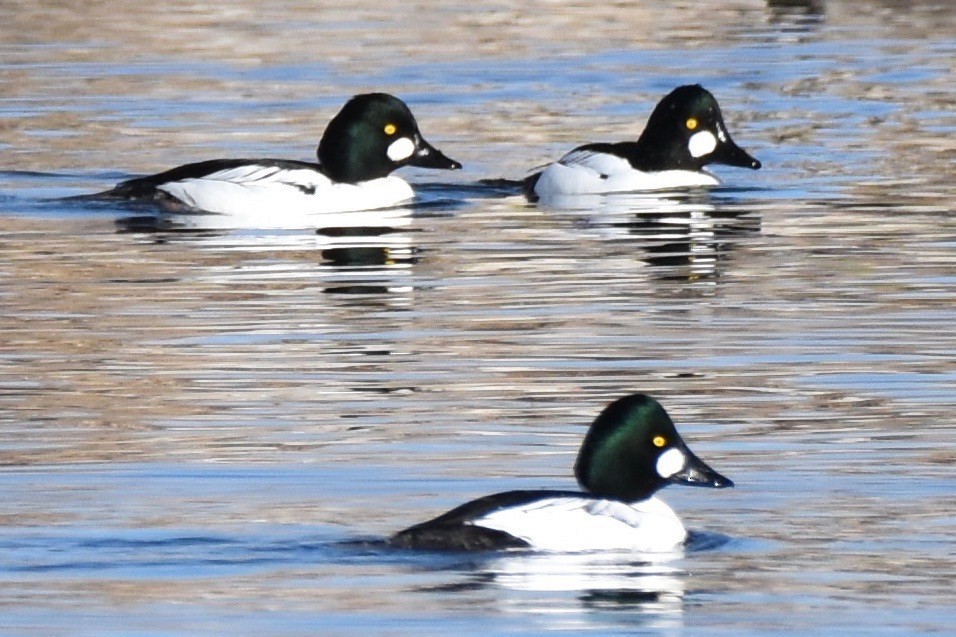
{"x": 210, "y": 433}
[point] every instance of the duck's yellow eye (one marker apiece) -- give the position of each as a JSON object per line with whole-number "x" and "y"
{"x": 390, "y": 129}
{"x": 691, "y": 123}
{"x": 659, "y": 441}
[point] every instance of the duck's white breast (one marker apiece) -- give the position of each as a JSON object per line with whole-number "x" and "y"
{"x": 267, "y": 196}
{"x": 568, "y": 524}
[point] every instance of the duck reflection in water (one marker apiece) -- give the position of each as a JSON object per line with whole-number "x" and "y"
{"x": 366, "y": 259}
{"x": 357, "y": 253}
{"x": 687, "y": 235}
{"x": 564, "y": 591}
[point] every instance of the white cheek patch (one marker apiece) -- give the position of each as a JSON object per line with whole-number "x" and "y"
{"x": 702, "y": 143}
{"x": 670, "y": 462}
{"x": 401, "y": 148}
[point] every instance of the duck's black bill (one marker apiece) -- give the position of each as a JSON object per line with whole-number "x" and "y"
{"x": 733, "y": 155}
{"x": 427, "y": 156}
{"x": 696, "y": 473}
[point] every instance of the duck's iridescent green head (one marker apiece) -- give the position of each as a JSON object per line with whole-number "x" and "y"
{"x": 373, "y": 135}
{"x": 633, "y": 449}
{"x": 687, "y": 130}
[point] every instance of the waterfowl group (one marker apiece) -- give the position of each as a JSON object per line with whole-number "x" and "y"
{"x": 632, "y": 449}
{"x": 375, "y": 134}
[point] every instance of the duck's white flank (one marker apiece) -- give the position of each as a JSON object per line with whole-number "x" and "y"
{"x": 583, "y": 172}
{"x": 285, "y": 198}
{"x": 569, "y": 524}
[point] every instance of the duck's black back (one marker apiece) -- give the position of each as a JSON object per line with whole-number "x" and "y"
{"x": 452, "y": 531}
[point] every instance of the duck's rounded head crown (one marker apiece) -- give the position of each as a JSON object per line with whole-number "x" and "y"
{"x": 633, "y": 449}
{"x": 687, "y": 130}
{"x": 374, "y": 134}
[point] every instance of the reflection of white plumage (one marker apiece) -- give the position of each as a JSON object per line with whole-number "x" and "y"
{"x": 591, "y": 571}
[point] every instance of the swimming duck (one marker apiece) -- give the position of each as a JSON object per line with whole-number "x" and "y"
{"x": 685, "y": 132}
{"x": 373, "y": 135}
{"x": 631, "y": 451}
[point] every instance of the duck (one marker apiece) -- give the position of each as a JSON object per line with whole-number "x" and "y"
{"x": 372, "y": 135}
{"x": 631, "y": 450}
{"x": 684, "y": 133}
